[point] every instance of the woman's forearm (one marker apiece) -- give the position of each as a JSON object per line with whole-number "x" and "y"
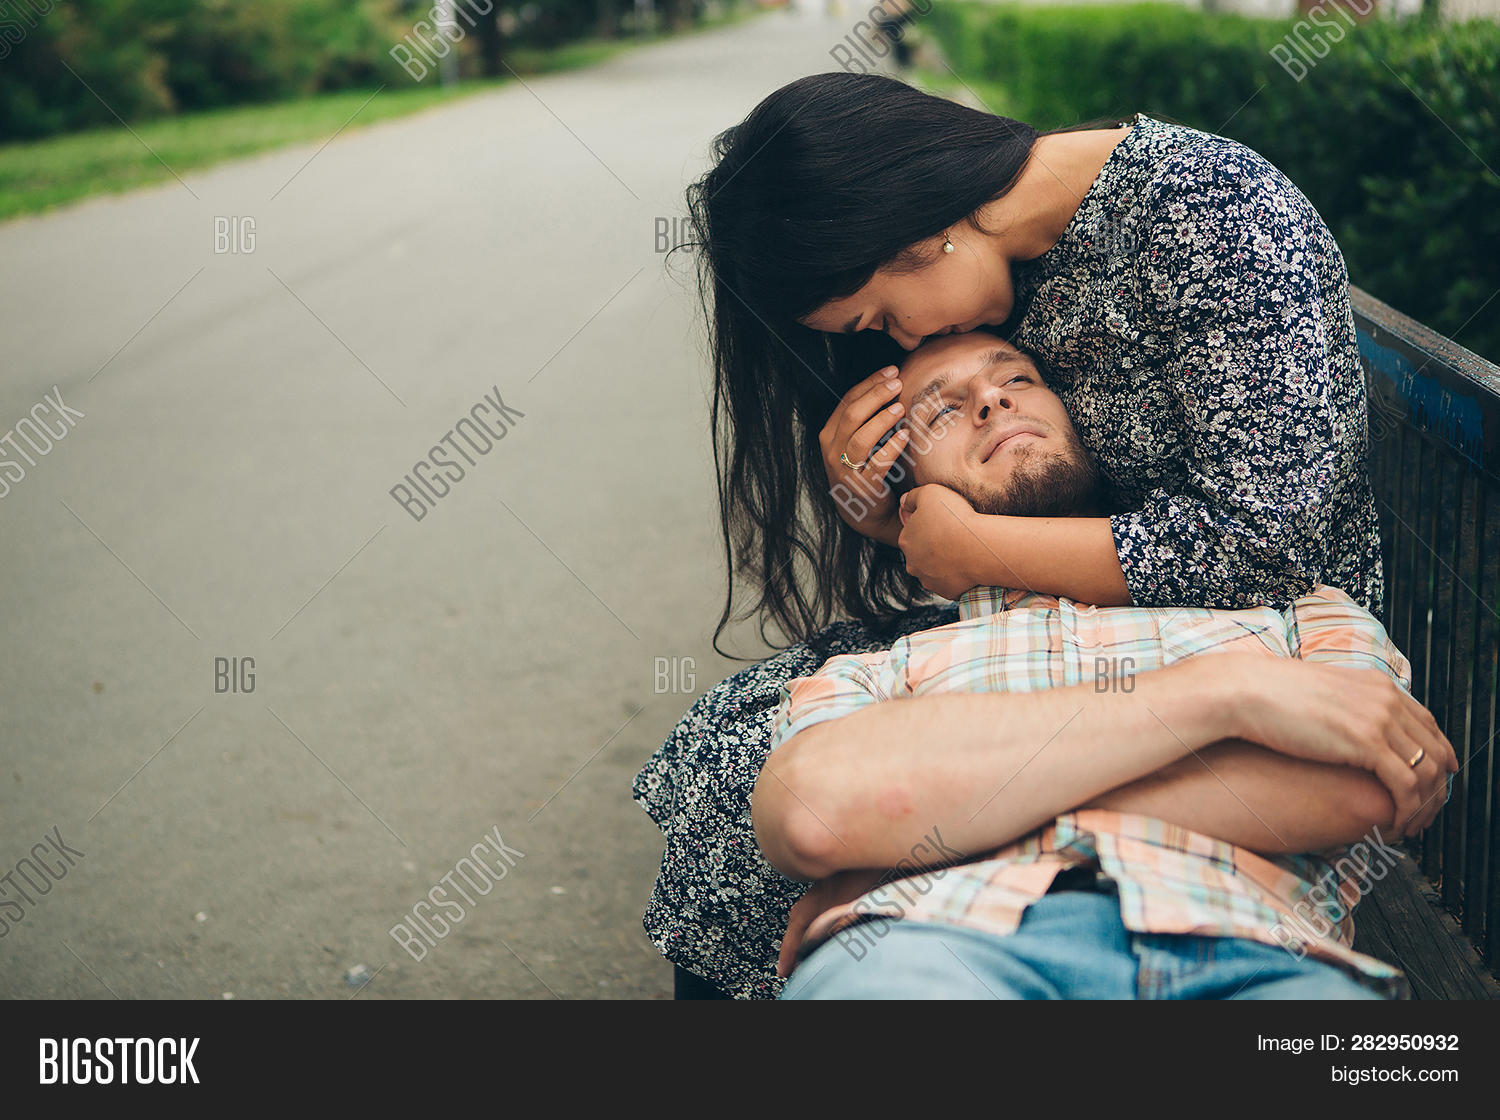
{"x": 1073, "y": 557}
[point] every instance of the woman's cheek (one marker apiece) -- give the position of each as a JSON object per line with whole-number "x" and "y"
{"x": 1006, "y": 305}
{"x": 1005, "y": 296}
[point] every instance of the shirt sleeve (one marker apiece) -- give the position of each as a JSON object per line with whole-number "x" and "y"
{"x": 1328, "y": 627}
{"x": 841, "y": 687}
{"x": 1229, "y": 279}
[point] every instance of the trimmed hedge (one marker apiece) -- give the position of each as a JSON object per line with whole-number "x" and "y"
{"x": 1392, "y": 133}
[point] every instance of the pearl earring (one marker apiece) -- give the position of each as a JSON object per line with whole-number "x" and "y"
{"x": 947, "y": 245}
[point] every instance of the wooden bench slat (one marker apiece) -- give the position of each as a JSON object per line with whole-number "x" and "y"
{"x": 1403, "y": 921}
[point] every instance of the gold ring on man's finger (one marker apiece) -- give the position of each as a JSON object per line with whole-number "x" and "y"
{"x": 1416, "y": 758}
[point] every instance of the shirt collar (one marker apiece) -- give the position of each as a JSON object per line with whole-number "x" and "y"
{"x": 980, "y": 601}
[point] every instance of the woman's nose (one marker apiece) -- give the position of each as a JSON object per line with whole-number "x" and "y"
{"x": 905, "y": 339}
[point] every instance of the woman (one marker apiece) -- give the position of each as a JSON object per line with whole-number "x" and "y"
{"x": 1190, "y": 304}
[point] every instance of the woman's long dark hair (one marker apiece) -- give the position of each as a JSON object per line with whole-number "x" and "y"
{"x": 829, "y": 179}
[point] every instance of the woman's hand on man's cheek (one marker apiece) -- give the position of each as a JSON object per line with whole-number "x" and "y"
{"x": 939, "y": 540}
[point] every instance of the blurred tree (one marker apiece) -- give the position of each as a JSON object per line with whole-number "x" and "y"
{"x": 607, "y": 26}
{"x": 490, "y": 44}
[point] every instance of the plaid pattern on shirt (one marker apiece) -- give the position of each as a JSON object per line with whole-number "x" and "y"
{"x": 1169, "y": 879}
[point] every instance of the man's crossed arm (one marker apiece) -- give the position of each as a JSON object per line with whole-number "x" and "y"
{"x": 1272, "y": 754}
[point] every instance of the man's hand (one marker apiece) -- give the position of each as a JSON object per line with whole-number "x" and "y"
{"x": 863, "y": 417}
{"x": 938, "y": 537}
{"x": 821, "y": 897}
{"x": 1348, "y": 717}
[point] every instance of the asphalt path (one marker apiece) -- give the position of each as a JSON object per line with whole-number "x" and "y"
{"x": 229, "y": 428}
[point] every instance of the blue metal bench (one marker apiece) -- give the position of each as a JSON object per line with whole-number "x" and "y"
{"x": 1435, "y": 463}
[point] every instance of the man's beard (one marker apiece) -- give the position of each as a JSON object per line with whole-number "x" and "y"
{"x": 1067, "y": 485}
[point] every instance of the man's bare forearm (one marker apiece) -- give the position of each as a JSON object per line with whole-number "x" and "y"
{"x": 862, "y": 790}
{"x": 1257, "y": 799}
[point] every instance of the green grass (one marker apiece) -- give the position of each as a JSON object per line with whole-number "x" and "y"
{"x": 37, "y": 175}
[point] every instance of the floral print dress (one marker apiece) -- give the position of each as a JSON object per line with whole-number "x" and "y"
{"x": 1195, "y": 319}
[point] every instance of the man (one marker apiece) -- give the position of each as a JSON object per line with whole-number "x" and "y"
{"x": 1084, "y": 802}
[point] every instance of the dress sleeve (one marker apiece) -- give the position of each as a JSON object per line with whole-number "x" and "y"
{"x": 1229, "y": 283}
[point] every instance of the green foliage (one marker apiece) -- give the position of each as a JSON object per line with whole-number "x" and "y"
{"x": 75, "y": 64}
{"x": 1391, "y": 128}
{"x": 86, "y": 62}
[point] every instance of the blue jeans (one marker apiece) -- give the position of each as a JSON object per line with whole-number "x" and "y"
{"x": 1070, "y": 945}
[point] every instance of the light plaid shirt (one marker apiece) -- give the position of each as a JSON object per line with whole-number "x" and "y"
{"x": 1169, "y": 879}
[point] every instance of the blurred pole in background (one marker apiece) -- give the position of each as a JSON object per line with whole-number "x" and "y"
{"x": 447, "y": 28}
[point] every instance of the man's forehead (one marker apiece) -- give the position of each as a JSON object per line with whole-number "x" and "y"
{"x": 955, "y": 361}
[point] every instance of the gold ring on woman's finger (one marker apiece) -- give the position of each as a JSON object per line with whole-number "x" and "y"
{"x": 850, "y": 463}
{"x": 1416, "y": 758}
